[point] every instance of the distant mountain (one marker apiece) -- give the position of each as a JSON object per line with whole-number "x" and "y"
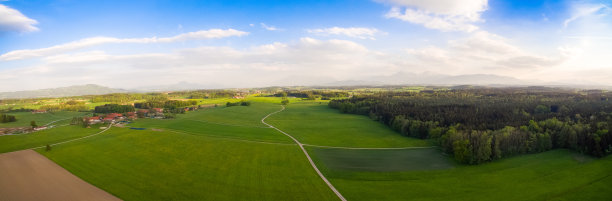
{"x": 78, "y": 90}
{"x": 180, "y": 86}
{"x": 352, "y": 83}
{"x": 303, "y": 80}
{"x": 404, "y": 78}
{"x": 428, "y": 78}
{"x": 482, "y": 79}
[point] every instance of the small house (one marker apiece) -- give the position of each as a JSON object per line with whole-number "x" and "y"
{"x": 39, "y": 111}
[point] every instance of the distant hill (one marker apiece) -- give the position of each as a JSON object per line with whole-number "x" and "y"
{"x": 180, "y": 86}
{"x": 427, "y": 78}
{"x": 78, "y": 90}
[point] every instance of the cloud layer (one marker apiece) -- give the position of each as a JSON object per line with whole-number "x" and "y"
{"x": 94, "y": 41}
{"x": 353, "y": 32}
{"x": 581, "y": 11}
{"x": 12, "y": 20}
{"x": 444, "y": 15}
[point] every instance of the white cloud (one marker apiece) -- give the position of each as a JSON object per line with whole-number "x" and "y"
{"x": 88, "y": 42}
{"x": 13, "y": 20}
{"x": 256, "y": 66}
{"x": 444, "y": 15}
{"x": 353, "y": 32}
{"x": 581, "y": 11}
{"x": 485, "y": 52}
{"x": 269, "y": 28}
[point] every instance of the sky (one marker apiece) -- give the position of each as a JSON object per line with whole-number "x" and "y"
{"x": 129, "y": 44}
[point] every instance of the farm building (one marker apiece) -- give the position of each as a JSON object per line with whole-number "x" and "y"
{"x": 39, "y": 111}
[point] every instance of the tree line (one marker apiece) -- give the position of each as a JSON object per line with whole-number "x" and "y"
{"x": 114, "y": 108}
{"x": 312, "y": 94}
{"x": 5, "y": 118}
{"x": 241, "y": 103}
{"x": 168, "y": 104}
{"x": 205, "y": 94}
{"x": 479, "y": 125}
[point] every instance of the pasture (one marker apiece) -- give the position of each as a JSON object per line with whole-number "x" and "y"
{"x": 381, "y": 160}
{"x": 317, "y": 124}
{"x": 238, "y": 122}
{"x": 154, "y": 165}
{"x": 552, "y": 175}
{"x": 226, "y": 153}
{"x": 10, "y": 143}
{"x": 24, "y": 118}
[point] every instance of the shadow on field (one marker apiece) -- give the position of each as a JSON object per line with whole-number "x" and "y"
{"x": 383, "y": 160}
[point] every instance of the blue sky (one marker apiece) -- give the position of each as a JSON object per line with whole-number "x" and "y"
{"x": 260, "y": 43}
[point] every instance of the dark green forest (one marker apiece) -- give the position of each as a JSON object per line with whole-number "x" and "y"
{"x": 480, "y": 125}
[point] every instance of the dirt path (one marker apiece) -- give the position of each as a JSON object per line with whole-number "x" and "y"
{"x": 305, "y": 153}
{"x": 98, "y": 133}
{"x": 27, "y": 175}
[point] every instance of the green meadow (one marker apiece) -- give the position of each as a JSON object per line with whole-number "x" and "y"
{"x": 10, "y": 143}
{"x": 151, "y": 165}
{"x": 226, "y": 153}
{"x": 381, "y": 160}
{"x": 24, "y": 118}
{"x": 553, "y": 175}
{"x": 317, "y": 124}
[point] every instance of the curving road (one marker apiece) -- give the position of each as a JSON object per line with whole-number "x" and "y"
{"x": 305, "y": 153}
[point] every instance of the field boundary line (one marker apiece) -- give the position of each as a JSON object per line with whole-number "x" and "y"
{"x": 224, "y": 124}
{"x": 225, "y": 138}
{"x": 35, "y": 131}
{"x": 366, "y": 148}
{"x": 329, "y": 184}
{"x": 61, "y": 119}
{"x": 75, "y": 139}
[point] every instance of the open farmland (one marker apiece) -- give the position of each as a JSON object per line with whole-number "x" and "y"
{"x": 317, "y": 124}
{"x": 10, "y": 143}
{"x": 227, "y": 153}
{"x": 552, "y": 175}
{"x": 24, "y": 118}
{"x": 146, "y": 165}
{"x": 27, "y": 175}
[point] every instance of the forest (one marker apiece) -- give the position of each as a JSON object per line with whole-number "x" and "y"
{"x": 114, "y": 108}
{"x": 168, "y": 104}
{"x": 480, "y": 125}
{"x": 312, "y": 94}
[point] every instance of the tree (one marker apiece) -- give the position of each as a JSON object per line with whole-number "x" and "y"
{"x": 285, "y": 102}
{"x": 463, "y": 152}
{"x": 542, "y": 109}
{"x": 5, "y": 118}
{"x": 33, "y": 124}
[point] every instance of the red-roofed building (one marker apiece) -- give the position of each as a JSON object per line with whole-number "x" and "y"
{"x": 108, "y": 119}
{"x": 159, "y": 110}
{"x": 113, "y": 115}
{"x": 131, "y": 115}
{"x": 38, "y": 111}
{"x": 92, "y": 120}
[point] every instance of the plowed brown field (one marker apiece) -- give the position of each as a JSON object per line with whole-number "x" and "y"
{"x": 27, "y": 175}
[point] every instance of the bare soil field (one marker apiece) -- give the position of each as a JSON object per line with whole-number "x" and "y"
{"x": 27, "y": 175}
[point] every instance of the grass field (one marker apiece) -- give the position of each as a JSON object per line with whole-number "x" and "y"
{"x": 317, "y": 124}
{"x": 150, "y": 165}
{"x": 553, "y": 175}
{"x": 384, "y": 160}
{"x": 10, "y": 143}
{"x": 24, "y": 118}
{"x": 239, "y": 122}
{"x": 228, "y": 154}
